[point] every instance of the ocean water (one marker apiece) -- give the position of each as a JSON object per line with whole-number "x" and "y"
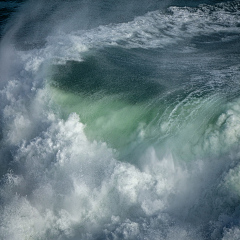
{"x": 120, "y": 120}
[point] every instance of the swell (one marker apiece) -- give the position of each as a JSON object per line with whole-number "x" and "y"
{"x": 124, "y": 129}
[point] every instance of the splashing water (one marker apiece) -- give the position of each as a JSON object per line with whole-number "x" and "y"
{"x": 120, "y": 120}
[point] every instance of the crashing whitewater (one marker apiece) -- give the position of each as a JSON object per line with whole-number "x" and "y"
{"x": 120, "y": 129}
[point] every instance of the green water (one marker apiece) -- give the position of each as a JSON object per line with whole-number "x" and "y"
{"x": 177, "y": 121}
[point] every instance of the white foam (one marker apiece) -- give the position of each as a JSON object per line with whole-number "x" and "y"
{"x": 64, "y": 186}
{"x": 153, "y": 30}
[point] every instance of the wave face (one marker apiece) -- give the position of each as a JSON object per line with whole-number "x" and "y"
{"x": 120, "y": 120}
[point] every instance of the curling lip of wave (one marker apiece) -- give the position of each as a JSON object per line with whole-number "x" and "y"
{"x": 63, "y": 186}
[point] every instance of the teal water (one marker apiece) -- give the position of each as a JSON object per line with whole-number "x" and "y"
{"x": 120, "y": 121}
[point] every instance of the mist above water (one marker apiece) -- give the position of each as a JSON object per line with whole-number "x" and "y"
{"x": 120, "y": 120}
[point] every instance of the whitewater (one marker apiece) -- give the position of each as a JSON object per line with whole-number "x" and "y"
{"x": 120, "y": 120}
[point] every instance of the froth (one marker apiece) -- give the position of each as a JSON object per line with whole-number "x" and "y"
{"x": 56, "y": 183}
{"x": 153, "y": 30}
{"x": 63, "y": 183}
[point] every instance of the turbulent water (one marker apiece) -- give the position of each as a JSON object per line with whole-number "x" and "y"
{"x": 120, "y": 120}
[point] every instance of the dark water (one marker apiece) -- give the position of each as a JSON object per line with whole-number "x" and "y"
{"x": 120, "y": 120}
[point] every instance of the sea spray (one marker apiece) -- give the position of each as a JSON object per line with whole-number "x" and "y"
{"x": 120, "y": 128}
